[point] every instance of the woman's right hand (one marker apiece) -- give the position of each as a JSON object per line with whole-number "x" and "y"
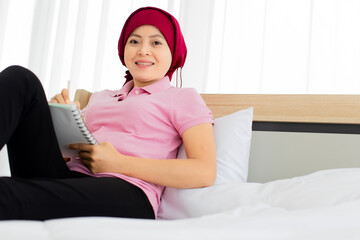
{"x": 64, "y": 98}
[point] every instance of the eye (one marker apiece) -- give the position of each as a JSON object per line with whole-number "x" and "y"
{"x": 133, "y": 41}
{"x": 157, "y": 43}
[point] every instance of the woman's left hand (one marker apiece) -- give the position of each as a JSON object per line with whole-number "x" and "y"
{"x": 98, "y": 158}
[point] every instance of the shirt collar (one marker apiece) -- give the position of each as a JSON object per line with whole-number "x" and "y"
{"x": 124, "y": 90}
{"x": 158, "y": 86}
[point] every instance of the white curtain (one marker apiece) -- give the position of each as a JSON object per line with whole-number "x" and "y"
{"x": 234, "y": 46}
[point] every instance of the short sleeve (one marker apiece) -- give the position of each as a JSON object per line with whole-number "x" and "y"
{"x": 189, "y": 109}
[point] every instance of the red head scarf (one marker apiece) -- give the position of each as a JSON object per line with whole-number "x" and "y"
{"x": 167, "y": 25}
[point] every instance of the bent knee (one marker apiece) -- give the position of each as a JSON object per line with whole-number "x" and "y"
{"x": 16, "y": 76}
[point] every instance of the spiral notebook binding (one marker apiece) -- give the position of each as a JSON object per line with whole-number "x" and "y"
{"x": 84, "y": 130}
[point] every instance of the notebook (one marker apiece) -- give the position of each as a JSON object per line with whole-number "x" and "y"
{"x": 69, "y": 127}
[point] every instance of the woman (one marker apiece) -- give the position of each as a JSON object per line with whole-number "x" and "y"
{"x": 140, "y": 128}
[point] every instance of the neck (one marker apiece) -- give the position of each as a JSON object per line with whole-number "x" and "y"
{"x": 144, "y": 84}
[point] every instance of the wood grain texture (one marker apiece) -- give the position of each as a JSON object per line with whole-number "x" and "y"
{"x": 289, "y": 108}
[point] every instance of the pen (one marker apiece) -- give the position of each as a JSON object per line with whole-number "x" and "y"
{"x": 68, "y": 86}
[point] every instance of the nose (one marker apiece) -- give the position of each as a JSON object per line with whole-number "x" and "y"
{"x": 144, "y": 49}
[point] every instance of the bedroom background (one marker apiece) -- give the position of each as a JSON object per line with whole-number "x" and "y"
{"x": 234, "y": 46}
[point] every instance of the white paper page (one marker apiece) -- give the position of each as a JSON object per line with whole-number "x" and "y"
{"x": 67, "y": 128}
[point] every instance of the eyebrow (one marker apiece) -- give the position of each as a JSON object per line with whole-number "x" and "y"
{"x": 152, "y": 36}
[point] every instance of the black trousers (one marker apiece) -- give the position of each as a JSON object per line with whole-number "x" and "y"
{"x": 41, "y": 185}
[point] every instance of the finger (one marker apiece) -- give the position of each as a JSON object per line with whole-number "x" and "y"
{"x": 66, "y": 95}
{"x": 85, "y": 156}
{"x": 60, "y": 98}
{"x": 86, "y": 163}
{"x": 81, "y": 147}
{"x": 57, "y": 99}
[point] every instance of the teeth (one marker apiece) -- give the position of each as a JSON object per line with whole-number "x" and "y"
{"x": 146, "y": 64}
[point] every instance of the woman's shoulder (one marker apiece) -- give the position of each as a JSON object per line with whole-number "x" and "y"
{"x": 183, "y": 92}
{"x": 185, "y": 96}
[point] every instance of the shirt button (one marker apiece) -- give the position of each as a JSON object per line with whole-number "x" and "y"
{"x": 137, "y": 92}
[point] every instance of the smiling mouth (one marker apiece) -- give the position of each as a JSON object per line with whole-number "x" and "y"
{"x": 144, "y": 63}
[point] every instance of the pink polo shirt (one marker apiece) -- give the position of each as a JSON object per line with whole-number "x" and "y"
{"x": 144, "y": 122}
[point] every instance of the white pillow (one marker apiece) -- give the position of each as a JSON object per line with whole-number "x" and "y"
{"x": 232, "y": 138}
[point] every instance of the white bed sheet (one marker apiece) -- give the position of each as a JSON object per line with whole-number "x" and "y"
{"x": 323, "y": 205}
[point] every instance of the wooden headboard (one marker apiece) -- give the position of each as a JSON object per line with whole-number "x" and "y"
{"x": 279, "y": 108}
{"x": 292, "y": 135}
{"x": 289, "y": 108}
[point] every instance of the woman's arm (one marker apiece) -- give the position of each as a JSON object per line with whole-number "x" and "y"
{"x": 198, "y": 170}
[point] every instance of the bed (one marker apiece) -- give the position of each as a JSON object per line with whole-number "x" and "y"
{"x": 288, "y": 168}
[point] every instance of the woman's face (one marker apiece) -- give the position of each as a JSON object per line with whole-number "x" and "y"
{"x": 147, "y": 55}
